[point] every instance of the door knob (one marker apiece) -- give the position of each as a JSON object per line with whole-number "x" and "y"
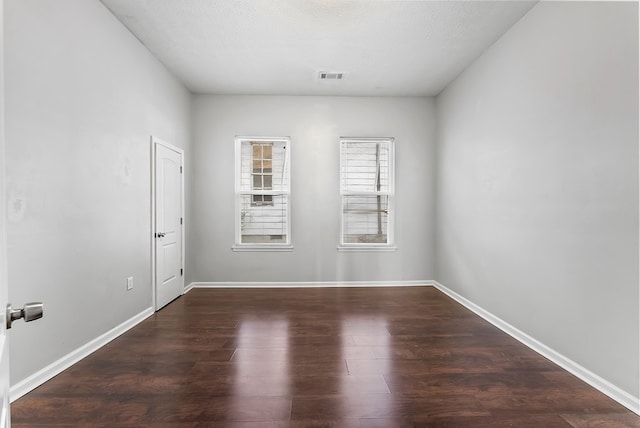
{"x": 161, "y": 234}
{"x": 30, "y": 312}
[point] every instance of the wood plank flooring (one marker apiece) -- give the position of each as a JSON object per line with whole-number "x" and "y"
{"x": 320, "y": 357}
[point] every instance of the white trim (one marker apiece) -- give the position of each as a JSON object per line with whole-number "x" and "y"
{"x": 154, "y": 143}
{"x": 57, "y": 367}
{"x": 187, "y": 288}
{"x": 638, "y": 302}
{"x": 258, "y": 247}
{"x": 602, "y": 385}
{"x": 366, "y": 248}
{"x": 368, "y": 139}
{"x": 311, "y": 284}
{"x": 152, "y": 238}
{"x": 284, "y": 139}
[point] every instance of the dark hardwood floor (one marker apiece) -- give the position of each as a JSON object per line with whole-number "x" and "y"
{"x": 333, "y": 357}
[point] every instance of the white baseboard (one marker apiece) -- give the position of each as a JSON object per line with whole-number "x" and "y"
{"x": 311, "y": 284}
{"x": 629, "y": 401}
{"x": 21, "y": 388}
{"x": 187, "y": 288}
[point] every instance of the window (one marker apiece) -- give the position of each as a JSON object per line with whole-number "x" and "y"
{"x": 366, "y": 188}
{"x": 262, "y": 193}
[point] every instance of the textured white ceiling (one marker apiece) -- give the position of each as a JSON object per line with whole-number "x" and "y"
{"x": 384, "y": 47}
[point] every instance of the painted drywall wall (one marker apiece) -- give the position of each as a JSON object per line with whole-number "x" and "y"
{"x": 315, "y": 125}
{"x": 83, "y": 97}
{"x": 537, "y": 188}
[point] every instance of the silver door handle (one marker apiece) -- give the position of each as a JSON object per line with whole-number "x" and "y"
{"x": 30, "y": 312}
{"x": 161, "y": 234}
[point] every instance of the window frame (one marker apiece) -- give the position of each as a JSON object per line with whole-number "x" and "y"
{"x": 390, "y": 194}
{"x": 239, "y": 193}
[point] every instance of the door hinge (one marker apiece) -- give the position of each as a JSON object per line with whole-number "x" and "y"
{"x": 180, "y": 220}
{"x": 181, "y": 272}
{"x": 180, "y": 170}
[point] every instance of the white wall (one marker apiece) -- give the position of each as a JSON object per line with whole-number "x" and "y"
{"x": 314, "y": 125}
{"x": 83, "y": 97}
{"x": 537, "y": 195}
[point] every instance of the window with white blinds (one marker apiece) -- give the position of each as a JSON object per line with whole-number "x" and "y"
{"x": 262, "y": 193}
{"x": 366, "y": 188}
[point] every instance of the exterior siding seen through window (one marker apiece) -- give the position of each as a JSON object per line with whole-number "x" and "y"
{"x": 366, "y": 187}
{"x": 262, "y": 191}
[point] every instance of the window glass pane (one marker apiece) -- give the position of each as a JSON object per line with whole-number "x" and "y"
{"x": 261, "y": 200}
{"x": 267, "y": 182}
{"x": 268, "y": 159}
{"x": 257, "y": 150}
{"x": 365, "y": 166}
{"x": 257, "y": 182}
{"x": 266, "y": 224}
{"x": 365, "y": 219}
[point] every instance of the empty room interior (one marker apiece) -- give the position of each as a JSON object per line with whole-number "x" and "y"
{"x": 320, "y": 213}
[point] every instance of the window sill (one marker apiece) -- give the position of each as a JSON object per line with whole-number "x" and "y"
{"x": 258, "y": 248}
{"x": 366, "y": 248}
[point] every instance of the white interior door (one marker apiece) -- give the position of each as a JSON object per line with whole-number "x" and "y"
{"x": 4, "y": 345}
{"x": 168, "y": 233}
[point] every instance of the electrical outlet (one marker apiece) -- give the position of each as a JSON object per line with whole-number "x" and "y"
{"x": 130, "y": 283}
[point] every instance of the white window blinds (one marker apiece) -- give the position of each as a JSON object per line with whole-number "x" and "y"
{"x": 262, "y": 191}
{"x": 366, "y": 187}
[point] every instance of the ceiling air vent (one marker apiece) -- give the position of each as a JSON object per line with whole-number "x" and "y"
{"x": 325, "y": 75}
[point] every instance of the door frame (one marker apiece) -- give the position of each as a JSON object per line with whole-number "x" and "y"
{"x": 155, "y": 142}
{"x": 5, "y": 386}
